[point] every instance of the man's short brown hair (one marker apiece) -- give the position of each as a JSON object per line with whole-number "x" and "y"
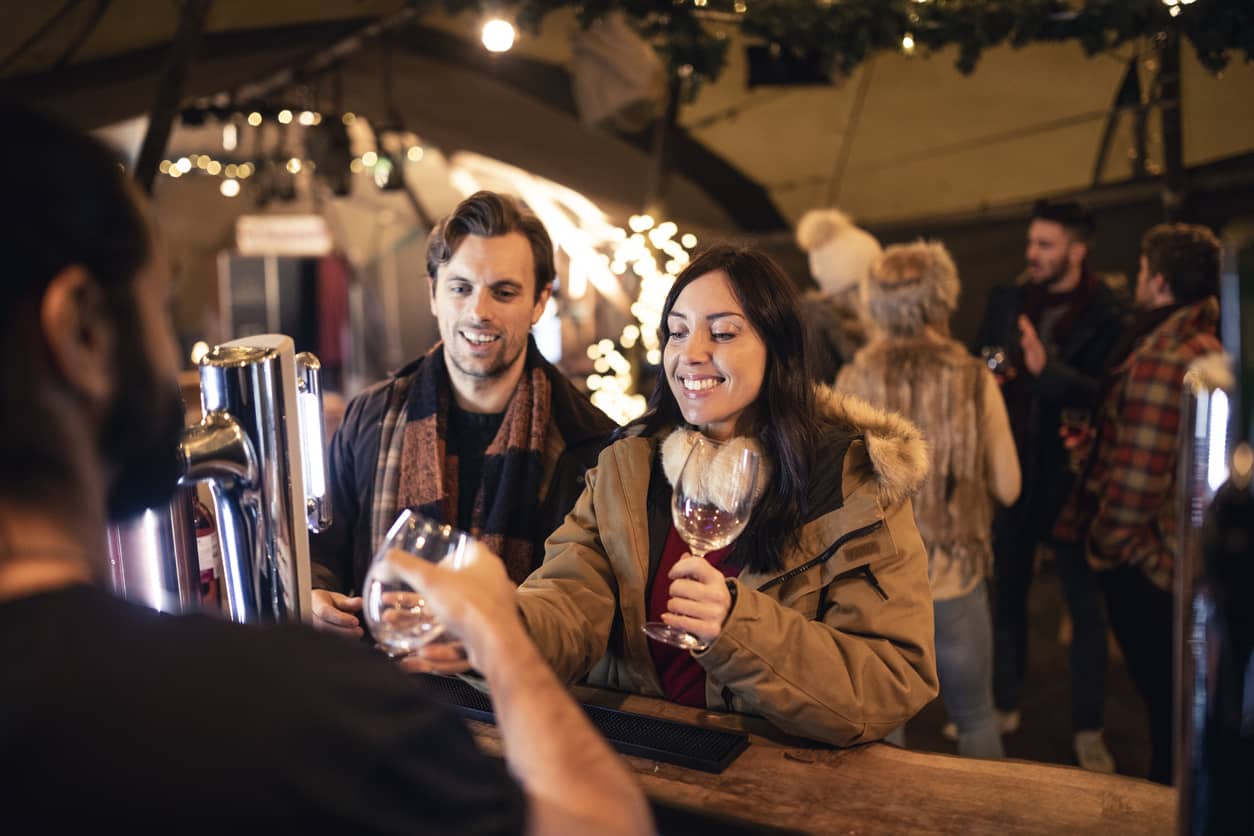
{"x": 1187, "y": 256}
{"x": 488, "y": 214}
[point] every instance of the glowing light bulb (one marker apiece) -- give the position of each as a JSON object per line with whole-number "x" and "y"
{"x": 498, "y": 35}
{"x": 229, "y": 188}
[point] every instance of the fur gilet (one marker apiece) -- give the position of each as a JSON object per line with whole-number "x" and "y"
{"x": 938, "y": 386}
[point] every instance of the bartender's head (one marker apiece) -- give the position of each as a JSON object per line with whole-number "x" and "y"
{"x": 88, "y": 348}
{"x": 732, "y": 345}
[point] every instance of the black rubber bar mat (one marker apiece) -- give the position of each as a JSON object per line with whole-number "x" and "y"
{"x": 694, "y": 747}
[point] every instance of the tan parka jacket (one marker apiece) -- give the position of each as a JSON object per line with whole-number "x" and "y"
{"x": 838, "y": 650}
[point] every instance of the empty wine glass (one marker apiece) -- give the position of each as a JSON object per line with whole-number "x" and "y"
{"x": 710, "y": 506}
{"x": 398, "y": 617}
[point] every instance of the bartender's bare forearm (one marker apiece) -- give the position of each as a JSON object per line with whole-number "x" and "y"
{"x": 575, "y": 782}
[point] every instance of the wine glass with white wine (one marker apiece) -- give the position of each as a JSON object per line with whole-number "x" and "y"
{"x": 711, "y": 504}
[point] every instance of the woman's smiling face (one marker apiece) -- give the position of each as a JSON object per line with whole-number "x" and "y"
{"x": 714, "y": 359}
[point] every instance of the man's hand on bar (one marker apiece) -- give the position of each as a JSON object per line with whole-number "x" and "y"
{"x": 334, "y": 613}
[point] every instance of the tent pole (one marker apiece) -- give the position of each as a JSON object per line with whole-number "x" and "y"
{"x": 660, "y": 168}
{"x": 192, "y": 16}
{"x": 1175, "y": 187}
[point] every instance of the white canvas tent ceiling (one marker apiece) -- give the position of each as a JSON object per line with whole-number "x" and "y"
{"x": 926, "y": 141}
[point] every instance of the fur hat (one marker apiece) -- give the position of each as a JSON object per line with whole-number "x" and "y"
{"x": 912, "y": 285}
{"x": 841, "y": 254}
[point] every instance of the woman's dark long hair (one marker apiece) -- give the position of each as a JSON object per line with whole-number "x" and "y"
{"x": 784, "y": 417}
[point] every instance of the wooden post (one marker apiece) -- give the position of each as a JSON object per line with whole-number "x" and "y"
{"x": 192, "y": 16}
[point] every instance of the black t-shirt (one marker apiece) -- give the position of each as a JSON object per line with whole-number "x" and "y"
{"x": 471, "y": 434}
{"x": 117, "y": 716}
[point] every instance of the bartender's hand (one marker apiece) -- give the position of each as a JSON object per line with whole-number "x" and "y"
{"x": 700, "y": 600}
{"x": 475, "y": 601}
{"x": 1033, "y": 349}
{"x": 333, "y": 612}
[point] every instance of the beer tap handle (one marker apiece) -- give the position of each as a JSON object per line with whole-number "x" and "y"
{"x": 313, "y": 442}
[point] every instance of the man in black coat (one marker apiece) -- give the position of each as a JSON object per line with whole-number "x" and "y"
{"x": 481, "y": 433}
{"x": 1056, "y": 326}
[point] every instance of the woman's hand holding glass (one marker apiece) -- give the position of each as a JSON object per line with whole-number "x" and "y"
{"x": 700, "y": 600}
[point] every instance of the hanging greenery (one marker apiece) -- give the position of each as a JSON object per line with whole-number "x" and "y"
{"x": 838, "y": 35}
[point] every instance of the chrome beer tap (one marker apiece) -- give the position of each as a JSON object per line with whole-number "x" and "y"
{"x": 260, "y": 448}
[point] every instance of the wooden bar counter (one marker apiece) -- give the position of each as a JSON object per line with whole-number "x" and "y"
{"x": 781, "y": 782}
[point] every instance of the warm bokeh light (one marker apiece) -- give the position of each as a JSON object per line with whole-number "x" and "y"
{"x": 498, "y": 35}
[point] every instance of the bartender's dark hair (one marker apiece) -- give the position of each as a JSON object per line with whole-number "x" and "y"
{"x": 784, "y": 418}
{"x": 70, "y": 203}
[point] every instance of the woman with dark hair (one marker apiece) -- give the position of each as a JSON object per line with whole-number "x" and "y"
{"x": 818, "y": 617}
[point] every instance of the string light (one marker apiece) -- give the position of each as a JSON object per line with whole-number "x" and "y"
{"x": 285, "y": 117}
{"x": 415, "y": 153}
{"x": 907, "y": 44}
{"x": 254, "y": 119}
{"x": 369, "y": 159}
{"x": 293, "y": 165}
{"x": 1174, "y": 6}
{"x": 498, "y": 35}
{"x": 229, "y": 188}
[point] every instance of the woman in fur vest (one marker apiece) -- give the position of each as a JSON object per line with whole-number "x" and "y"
{"x": 912, "y": 367}
{"x": 819, "y": 617}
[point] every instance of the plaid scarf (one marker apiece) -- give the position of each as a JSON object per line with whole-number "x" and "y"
{"x": 415, "y": 470}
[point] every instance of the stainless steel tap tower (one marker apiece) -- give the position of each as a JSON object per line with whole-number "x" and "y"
{"x": 260, "y": 448}
{"x": 1214, "y": 697}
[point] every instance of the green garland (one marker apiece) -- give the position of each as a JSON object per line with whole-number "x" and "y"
{"x": 838, "y": 35}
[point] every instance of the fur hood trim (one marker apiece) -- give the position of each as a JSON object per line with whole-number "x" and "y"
{"x": 899, "y": 454}
{"x": 715, "y": 478}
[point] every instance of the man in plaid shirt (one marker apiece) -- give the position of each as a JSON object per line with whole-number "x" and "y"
{"x": 1124, "y": 508}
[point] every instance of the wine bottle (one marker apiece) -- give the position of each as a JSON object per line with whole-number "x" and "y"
{"x": 209, "y": 555}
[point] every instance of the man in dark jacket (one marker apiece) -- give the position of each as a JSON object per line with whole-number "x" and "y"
{"x": 1057, "y": 324}
{"x": 481, "y": 433}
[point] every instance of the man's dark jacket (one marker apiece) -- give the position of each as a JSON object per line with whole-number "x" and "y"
{"x": 341, "y": 555}
{"x": 1070, "y": 379}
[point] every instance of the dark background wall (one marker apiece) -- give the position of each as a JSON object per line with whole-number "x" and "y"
{"x": 988, "y": 248}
